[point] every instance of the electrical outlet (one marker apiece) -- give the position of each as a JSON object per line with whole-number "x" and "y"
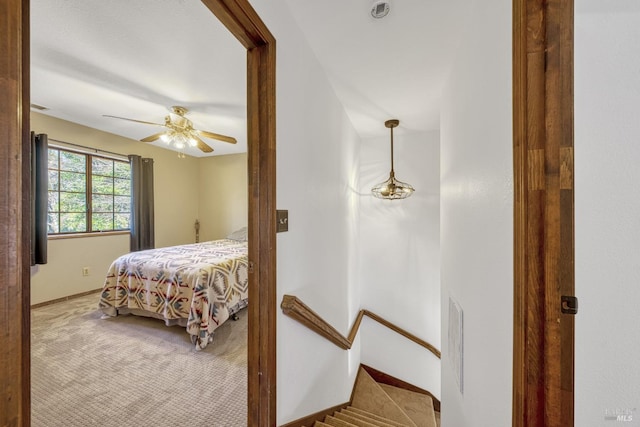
{"x": 85, "y": 271}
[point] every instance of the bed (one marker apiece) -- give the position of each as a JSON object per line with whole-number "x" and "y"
{"x": 198, "y": 286}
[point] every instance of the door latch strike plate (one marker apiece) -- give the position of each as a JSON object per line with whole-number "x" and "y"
{"x": 569, "y": 305}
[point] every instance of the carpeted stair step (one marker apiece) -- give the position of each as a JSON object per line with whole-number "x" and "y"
{"x": 337, "y": 422}
{"x": 357, "y": 418}
{"x": 350, "y": 410}
{"x": 417, "y": 406}
{"x": 369, "y": 396}
{"x": 353, "y": 420}
{"x": 367, "y": 418}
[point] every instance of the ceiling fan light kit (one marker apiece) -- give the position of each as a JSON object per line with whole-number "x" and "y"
{"x": 180, "y": 132}
{"x": 392, "y": 189}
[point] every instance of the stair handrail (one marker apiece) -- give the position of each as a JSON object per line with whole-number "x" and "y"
{"x": 296, "y": 309}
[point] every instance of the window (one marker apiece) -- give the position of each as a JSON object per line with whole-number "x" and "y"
{"x": 87, "y": 193}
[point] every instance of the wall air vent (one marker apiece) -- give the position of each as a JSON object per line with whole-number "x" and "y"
{"x": 38, "y": 107}
{"x": 379, "y": 9}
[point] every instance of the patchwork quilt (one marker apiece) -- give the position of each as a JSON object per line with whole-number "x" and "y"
{"x": 198, "y": 286}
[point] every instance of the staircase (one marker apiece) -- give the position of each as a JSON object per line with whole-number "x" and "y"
{"x": 380, "y": 402}
{"x": 375, "y": 404}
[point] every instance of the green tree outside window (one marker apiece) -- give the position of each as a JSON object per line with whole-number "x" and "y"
{"x": 87, "y": 193}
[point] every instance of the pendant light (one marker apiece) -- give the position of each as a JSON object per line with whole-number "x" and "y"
{"x": 392, "y": 189}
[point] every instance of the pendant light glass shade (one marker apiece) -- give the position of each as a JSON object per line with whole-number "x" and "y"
{"x": 392, "y": 189}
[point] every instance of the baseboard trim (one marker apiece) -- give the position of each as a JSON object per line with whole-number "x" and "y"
{"x": 383, "y": 378}
{"x": 67, "y": 298}
{"x": 318, "y": 416}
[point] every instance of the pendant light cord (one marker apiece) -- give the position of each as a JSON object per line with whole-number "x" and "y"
{"x": 392, "y": 173}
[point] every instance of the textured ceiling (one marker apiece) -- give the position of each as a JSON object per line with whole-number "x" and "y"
{"x": 137, "y": 58}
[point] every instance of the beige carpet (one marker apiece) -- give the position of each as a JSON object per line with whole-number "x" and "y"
{"x": 133, "y": 371}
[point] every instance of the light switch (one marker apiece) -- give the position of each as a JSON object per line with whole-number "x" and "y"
{"x": 282, "y": 217}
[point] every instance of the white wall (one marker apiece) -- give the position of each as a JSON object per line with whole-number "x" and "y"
{"x": 317, "y": 172}
{"x": 476, "y": 219}
{"x": 607, "y": 206}
{"x": 399, "y": 247}
{"x": 223, "y": 195}
{"x": 176, "y": 208}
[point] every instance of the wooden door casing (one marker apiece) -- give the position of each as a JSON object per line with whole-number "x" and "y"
{"x": 14, "y": 213}
{"x": 543, "y": 344}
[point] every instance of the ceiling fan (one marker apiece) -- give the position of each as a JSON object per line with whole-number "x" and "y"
{"x": 180, "y": 131}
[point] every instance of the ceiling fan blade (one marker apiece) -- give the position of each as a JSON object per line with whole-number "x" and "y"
{"x": 132, "y": 120}
{"x": 201, "y": 145}
{"x": 217, "y": 136}
{"x": 153, "y": 137}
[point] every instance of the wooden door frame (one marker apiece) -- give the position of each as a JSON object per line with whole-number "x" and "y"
{"x": 245, "y": 24}
{"x": 15, "y": 362}
{"x": 543, "y": 336}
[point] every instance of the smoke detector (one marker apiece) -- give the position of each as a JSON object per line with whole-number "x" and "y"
{"x": 379, "y": 9}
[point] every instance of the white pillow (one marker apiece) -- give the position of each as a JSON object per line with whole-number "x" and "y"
{"x": 240, "y": 234}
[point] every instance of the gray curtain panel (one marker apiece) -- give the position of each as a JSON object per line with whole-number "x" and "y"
{"x": 39, "y": 197}
{"x": 142, "y": 212}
